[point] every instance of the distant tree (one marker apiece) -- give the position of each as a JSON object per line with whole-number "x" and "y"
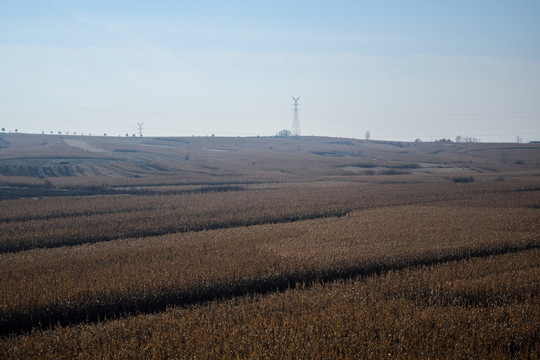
{"x": 470, "y": 139}
{"x": 519, "y": 140}
{"x": 133, "y": 135}
{"x": 105, "y": 134}
{"x": 59, "y": 133}
{"x": 368, "y": 135}
{"x": 3, "y": 130}
{"x": 52, "y": 132}
{"x": 16, "y": 130}
{"x": 127, "y": 135}
{"x": 418, "y": 140}
{"x": 459, "y": 138}
{"x": 284, "y": 133}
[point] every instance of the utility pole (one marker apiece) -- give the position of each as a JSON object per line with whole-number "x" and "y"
{"x": 140, "y": 128}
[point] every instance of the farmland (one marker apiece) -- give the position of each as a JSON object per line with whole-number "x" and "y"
{"x": 268, "y": 248}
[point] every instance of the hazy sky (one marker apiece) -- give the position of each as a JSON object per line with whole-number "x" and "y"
{"x": 400, "y": 69}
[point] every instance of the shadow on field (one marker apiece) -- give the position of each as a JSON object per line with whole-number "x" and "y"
{"x": 31, "y": 191}
{"x": 112, "y": 306}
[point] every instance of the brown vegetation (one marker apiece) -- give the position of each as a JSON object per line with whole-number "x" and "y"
{"x": 206, "y": 231}
{"x": 480, "y": 308}
{"x": 140, "y": 275}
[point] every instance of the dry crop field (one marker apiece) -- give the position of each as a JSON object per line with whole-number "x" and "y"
{"x": 312, "y": 248}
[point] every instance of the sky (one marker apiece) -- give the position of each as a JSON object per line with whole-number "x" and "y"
{"x": 402, "y": 70}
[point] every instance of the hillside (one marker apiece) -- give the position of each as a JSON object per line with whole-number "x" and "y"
{"x": 46, "y": 163}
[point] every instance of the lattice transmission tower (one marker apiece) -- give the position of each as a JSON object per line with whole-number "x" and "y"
{"x": 140, "y": 128}
{"x": 295, "y": 131}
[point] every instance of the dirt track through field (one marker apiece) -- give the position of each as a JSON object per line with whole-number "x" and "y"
{"x": 81, "y": 144}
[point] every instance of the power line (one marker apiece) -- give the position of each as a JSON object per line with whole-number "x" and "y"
{"x": 356, "y": 116}
{"x": 138, "y": 112}
{"x": 56, "y": 118}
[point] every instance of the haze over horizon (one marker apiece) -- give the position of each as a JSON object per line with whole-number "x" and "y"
{"x": 402, "y": 70}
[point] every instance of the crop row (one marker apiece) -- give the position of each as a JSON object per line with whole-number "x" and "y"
{"x": 482, "y": 308}
{"x": 57, "y": 222}
{"x": 47, "y": 208}
{"x": 72, "y": 284}
{"x": 25, "y": 209}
